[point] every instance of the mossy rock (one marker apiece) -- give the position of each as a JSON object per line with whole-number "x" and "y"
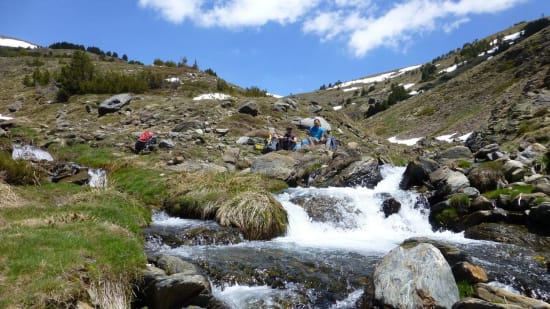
{"x": 257, "y": 214}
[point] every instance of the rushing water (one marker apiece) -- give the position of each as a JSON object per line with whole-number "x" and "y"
{"x": 98, "y": 178}
{"x": 27, "y": 152}
{"x": 325, "y": 264}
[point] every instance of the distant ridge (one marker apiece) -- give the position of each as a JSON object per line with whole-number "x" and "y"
{"x": 13, "y": 42}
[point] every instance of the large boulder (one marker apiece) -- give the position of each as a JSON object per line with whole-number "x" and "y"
{"x": 539, "y": 218}
{"x": 364, "y": 173}
{"x": 456, "y": 153}
{"x": 447, "y": 181}
{"x": 177, "y": 290}
{"x": 275, "y": 165}
{"x": 306, "y": 123}
{"x": 485, "y": 178}
{"x": 249, "y": 107}
{"x": 417, "y": 172}
{"x": 415, "y": 277}
{"x": 114, "y": 103}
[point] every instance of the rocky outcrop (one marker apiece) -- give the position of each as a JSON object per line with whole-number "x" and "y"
{"x": 250, "y": 108}
{"x": 417, "y": 172}
{"x": 364, "y": 173}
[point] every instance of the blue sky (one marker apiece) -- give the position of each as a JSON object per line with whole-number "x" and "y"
{"x": 283, "y": 46}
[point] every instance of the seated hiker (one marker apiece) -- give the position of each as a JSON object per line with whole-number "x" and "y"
{"x": 144, "y": 141}
{"x": 288, "y": 140}
{"x": 271, "y": 143}
{"x": 316, "y": 133}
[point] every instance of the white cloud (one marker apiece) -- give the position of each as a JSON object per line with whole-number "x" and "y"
{"x": 364, "y": 24}
{"x": 174, "y": 11}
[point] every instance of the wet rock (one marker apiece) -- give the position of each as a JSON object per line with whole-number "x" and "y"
{"x": 476, "y": 141}
{"x": 502, "y": 296}
{"x": 471, "y": 192}
{"x": 539, "y": 217}
{"x": 390, "y": 207}
{"x": 417, "y": 172}
{"x": 508, "y": 233}
{"x": 339, "y": 212}
{"x": 176, "y": 290}
{"x": 476, "y": 303}
{"x": 452, "y": 254}
{"x": 364, "y": 173}
{"x": 430, "y": 283}
{"x": 469, "y": 272}
{"x": 524, "y": 201}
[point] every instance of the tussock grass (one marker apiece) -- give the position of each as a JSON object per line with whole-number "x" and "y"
{"x": 18, "y": 172}
{"x": 111, "y": 293}
{"x": 240, "y": 200}
{"x": 257, "y": 214}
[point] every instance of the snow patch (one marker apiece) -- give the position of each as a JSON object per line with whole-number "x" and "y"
{"x": 173, "y": 80}
{"x": 376, "y": 78}
{"x": 337, "y": 108}
{"x": 212, "y": 96}
{"x": 277, "y": 96}
{"x": 408, "y": 142}
{"x": 351, "y": 89}
{"x": 449, "y": 69}
{"x": 446, "y": 138}
{"x": 15, "y": 43}
{"x": 465, "y": 136}
{"x": 407, "y": 86}
{"x": 5, "y": 117}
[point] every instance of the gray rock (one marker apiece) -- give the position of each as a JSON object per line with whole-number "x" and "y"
{"x": 488, "y": 152}
{"x": 447, "y": 181}
{"x": 476, "y": 303}
{"x": 188, "y": 125}
{"x": 471, "y": 192}
{"x": 306, "y": 123}
{"x": 364, "y": 173}
{"x": 274, "y": 165}
{"x": 457, "y": 152}
{"x": 416, "y": 277}
{"x": 231, "y": 155}
{"x": 417, "y": 172}
{"x": 243, "y": 140}
{"x": 502, "y": 296}
{"x": 114, "y": 103}
{"x": 250, "y": 108}
{"x": 166, "y": 143}
{"x": 514, "y": 170}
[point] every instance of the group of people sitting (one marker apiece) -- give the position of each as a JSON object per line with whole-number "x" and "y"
{"x": 289, "y": 141}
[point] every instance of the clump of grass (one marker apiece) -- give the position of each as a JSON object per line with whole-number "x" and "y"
{"x": 460, "y": 202}
{"x": 18, "y": 172}
{"x": 465, "y": 289}
{"x": 257, "y": 214}
{"x": 9, "y": 197}
{"x": 464, "y": 164}
{"x": 225, "y": 197}
{"x": 426, "y": 111}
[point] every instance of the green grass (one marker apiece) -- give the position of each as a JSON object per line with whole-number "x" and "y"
{"x": 513, "y": 191}
{"x": 85, "y": 155}
{"x": 464, "y": 164}
{"x": 426, "y": 111}
{"x": 146, "y": 184}
{"x": 18, "y": 172}
{"x": 24, "y": 133}
{"x": 64, "y": 238}
{"x": 465, "y": 289}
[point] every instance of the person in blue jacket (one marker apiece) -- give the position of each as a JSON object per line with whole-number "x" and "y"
{"x": 316, "y": 133}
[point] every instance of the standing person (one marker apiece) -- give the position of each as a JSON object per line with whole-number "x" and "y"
{"x": 316, "y": 133}
{"x": 289, "y": 140}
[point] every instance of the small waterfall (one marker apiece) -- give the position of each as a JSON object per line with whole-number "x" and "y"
{"x": 28, "y": 152}
{"x": 366, "y": 228}
{"x": 98, "y": 178}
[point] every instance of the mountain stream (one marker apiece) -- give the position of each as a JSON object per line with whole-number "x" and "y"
{"x": 324, "y": 261}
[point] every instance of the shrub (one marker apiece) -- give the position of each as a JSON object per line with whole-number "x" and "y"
{"x": 535, "y": 26}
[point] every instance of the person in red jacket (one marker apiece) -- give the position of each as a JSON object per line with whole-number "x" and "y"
{"x": 144, "y": 140}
